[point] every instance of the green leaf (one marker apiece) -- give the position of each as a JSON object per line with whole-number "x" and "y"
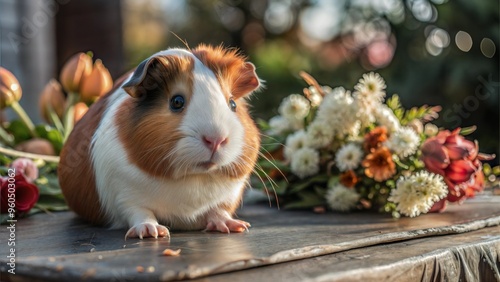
{"x": 320, "y": 190}
{"x": 49, "y": 185}
{"x": 487, "y": 169}
{"x": 262, "y": 183}
{"x": 320, "y": 178}
{"x": 307, "y": 200}
{"x": 333, "y": 180}
{"x": 52, "y": 135}
{"x": 496, "y": 170}
{"x": 4, "y": 160}
{"x": 50, "y": 203}
{"x": 393, "y": 102}
{"x": 262, "y": 124}
{"x": 55, "y": 137}
{"x": 468, "y": 130}
{"x": 399, "y": 114}
{"x": 19, "y": 130}
{"x": 41, "y": 130}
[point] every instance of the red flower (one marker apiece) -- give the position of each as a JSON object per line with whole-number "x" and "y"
{"x": 458, "y": 161}
{"x": 26, "y": 194}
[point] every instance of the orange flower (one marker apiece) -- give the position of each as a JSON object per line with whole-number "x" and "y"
{"x": 379, "y": 165}
{"x": 80, "y": 110}
{"x": 349, "y": 179}
{"x": 374, "y": 138}
{"x": 52, "y": 96}
{"x": 74, "y": 72}
{"x": 10, "y": 90}
{"x": 98, "y": 83}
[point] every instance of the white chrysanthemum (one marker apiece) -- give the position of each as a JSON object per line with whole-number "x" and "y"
{"x": 305, "y": 162}
{"x": 319, "y": 134}
{"x": 338, "y": 110}
{"x": 294, "y": 107}
{"x": 341, "y": 198}
{"x": 294, "y": 142}
{"x": 279, "y": 125}
{"x": 384, "y": 116}
{"x": 296, "y": 124}
{"x": 370, "y": 88}
{"x": 403, "y": 142}
{"x": 316, "y": 98}
{"x": 348, "y": 157}
{"x": 366, "y": 112}
{"x": 417, "y": 193}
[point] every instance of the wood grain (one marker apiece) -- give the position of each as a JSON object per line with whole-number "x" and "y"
{"x": 62, "y": 247}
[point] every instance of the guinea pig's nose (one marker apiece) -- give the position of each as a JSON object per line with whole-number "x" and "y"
{"x": 214, "y": 143}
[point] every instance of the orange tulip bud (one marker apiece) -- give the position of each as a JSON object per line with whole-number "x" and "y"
{"x": 52, "y": 95}
{"x": 10, "y": 90}
{"x": 80, "y": 110}
{"x": 76, "y": 69}
{"x": 98, "y": 83}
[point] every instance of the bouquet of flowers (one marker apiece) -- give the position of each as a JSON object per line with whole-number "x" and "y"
{"x": 348, "y": 150}
{"x": 29, "y": 152}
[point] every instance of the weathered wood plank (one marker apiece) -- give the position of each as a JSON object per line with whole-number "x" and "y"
{"x": 472, "y": 256}
{"x": 61, "y": 246}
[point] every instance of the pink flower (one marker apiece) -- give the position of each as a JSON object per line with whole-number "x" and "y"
{"x": 26, "y": 194}
{"x": 458, "y": 161}
{"x": 26, "y": 167}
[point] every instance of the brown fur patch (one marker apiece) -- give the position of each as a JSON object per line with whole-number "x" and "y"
{"x": 75, "y": 170}
{"x": 245, "y": 164}
{"x": 237, "y": 77}
{"x": 147, "y": 127}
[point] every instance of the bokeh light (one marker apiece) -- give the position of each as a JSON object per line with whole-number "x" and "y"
{"x": 422, "y": 10}
{"x": 322, "y": 21}
{"x": 437, "y": 40}
{"x": 463, "y": 41}
{"x": 278, "y": 18}
{"x": 488, "y": 47}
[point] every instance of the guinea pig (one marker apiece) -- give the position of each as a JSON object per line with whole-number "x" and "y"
{"x": 172, "y": 145}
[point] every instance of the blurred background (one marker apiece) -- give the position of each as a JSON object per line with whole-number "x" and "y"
{"x": 434, "y": 52}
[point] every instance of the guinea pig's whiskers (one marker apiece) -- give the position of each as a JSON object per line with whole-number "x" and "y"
{"x": 257, "y": 170}
{"x": 270, "y": 137}
{"x": 271, "y": 181}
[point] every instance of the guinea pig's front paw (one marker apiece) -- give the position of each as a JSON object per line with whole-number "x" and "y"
{"x": 144, "y": 230}
{"x": 227, "y": 225}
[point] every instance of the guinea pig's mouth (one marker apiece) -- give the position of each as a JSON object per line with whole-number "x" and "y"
{"x": 208, "y": 165}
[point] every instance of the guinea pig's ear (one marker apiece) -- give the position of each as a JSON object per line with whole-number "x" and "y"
{"x": 135, "y": 86}
{"x": 246, "y": 81}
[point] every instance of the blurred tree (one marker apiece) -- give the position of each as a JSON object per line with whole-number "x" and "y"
{"x": 428, "y": 51}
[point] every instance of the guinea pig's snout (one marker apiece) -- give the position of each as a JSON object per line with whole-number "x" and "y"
{"x": 213, "y": 143}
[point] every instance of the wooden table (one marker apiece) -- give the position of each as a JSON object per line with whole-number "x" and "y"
{"x": 463, "y": 243}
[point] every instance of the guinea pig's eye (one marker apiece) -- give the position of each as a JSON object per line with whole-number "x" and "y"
{"x": 177, "y": 103}
{"x": 232, "y": 105}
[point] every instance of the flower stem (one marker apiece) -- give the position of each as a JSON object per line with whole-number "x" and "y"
{"x": 24, "y": 117}
{"x": 15, "y": 153}
{"x": 6, "y": 137}
{"x": 55, "y": 119}
{"x": 69, "y": 114}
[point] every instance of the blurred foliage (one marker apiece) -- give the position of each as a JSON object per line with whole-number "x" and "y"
{"x": 412, "y": 43}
